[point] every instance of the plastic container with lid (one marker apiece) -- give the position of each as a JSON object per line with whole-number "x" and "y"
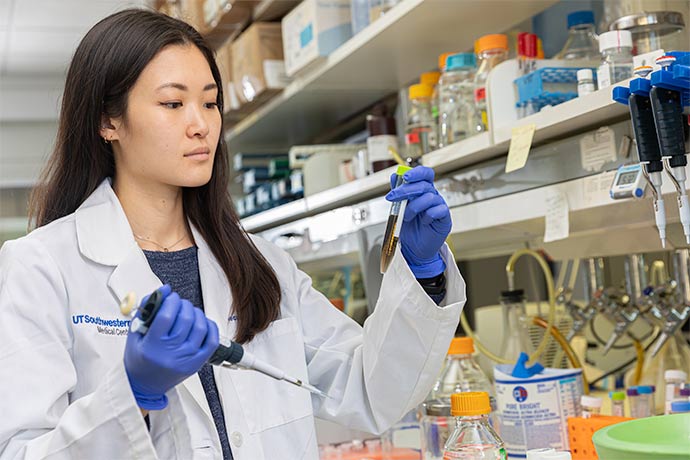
{"x": 585, "y": 82}
{"x": 651, "y": 31}
{"x": 457, "y": 115}
{"x": 675, "y": 379}
{"x": 617, "y": 58}
{"x": 617, "y": 403}
{"x": 460, "y": 373}
{"x": 582, "y": 43}
{"x": 643, "y": 405}
{"x": 559, "y": 455}
{"x": 536, "y": 454}
{"x": 491, "y": 50}
{"x": 473, "y": 437}
{"x": 420, "y": 133}
{"x": 591, "y": 406}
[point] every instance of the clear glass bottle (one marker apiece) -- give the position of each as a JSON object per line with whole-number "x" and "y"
{"x": 515, "y": 325}
{"x": 491, "y": 50}
{"x": 460, "y": 373}
{"x": 456, "y": 118}
{"x": 420, "y": 131}
{"x": 617, "y": 58}
{"x": 582, "y": 43}
{"x": 432, "y": 79}
{"x": 473, "y": 437}
{"x": 654, "y": 30}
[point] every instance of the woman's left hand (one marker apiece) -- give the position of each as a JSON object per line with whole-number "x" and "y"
{"x": 426, "y": 223}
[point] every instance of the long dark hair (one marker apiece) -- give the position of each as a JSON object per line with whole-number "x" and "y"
{"x": 104, "y": 69}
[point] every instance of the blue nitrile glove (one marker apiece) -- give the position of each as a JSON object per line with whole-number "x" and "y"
{"x": 426, "y": 223}
{"x": 180, "y": 340}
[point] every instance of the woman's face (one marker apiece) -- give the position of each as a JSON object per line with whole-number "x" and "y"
{"x": 171, "y": 129}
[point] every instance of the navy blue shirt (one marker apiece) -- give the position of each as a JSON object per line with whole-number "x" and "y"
{"x": 180, "y": 269}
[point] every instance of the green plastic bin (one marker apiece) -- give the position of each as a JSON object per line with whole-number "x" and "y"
{"x": 665, "y": 437}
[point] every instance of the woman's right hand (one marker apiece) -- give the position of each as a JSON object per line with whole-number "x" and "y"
{"x": 178, "y": 343}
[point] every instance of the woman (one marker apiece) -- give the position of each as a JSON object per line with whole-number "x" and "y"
{"x": 135, "y": 196}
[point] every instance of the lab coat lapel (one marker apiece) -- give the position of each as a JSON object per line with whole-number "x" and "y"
{"x": 105, "y": 237}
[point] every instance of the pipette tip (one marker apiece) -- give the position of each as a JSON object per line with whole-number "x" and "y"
{"x": 313, "y": 389}
{"x": 663, "y": 243}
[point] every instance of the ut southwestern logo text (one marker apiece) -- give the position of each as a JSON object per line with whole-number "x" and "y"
{"x": 104, "y": 326}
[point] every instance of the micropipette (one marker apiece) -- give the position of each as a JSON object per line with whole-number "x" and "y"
{"x": 397, "y": 212}
{"x": 232, "y": 356}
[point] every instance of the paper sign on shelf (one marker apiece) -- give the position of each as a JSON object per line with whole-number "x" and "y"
{"x": 520, "y": 144}
{"x": 557, "y": 218}
{"x": 596, "y": 189}
{"x": 597, "y": 149}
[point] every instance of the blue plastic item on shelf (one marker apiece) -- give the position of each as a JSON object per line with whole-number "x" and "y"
{"x": 580, "y": 17}
{"x": 547, "y": 86}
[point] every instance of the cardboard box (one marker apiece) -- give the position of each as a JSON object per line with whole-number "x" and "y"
{"x": 313, "y": 30}
{"x": 224, "y": 61}
{"x": 258, "y": 69}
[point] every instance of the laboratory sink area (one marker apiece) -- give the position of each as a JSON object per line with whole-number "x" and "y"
{"x": 345, "y": 229}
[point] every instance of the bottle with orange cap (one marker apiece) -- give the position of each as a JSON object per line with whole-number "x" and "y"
{"x": 473, "y": 437}
{"x": 420, "y": 133}
{"x": 460, "y": 373}
{"x": 491, "y": 50}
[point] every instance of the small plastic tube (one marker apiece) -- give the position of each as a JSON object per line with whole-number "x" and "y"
{"x": 591, "y": 406}
{"x": 633, "y": 396}
{"x": 617, "y": 403}
{"x": 675, "y": 379}
{"x": 645, "y": 400}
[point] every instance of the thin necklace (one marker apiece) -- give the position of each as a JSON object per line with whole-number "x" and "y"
{"x": 164, "y": 248}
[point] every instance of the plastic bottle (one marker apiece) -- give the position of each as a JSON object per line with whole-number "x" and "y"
{"x": 456, "y": 119}
{"x": 617, "y": 403}
{"x": 432, "y": 79}
{"x": 675, "y": 379}
{"x": 515, "y": 328}
{"x": 585, "y": 82}
{"x": 536, "y": 454}
{"x": 460, "y": 373}
{"x": 582, "y": 43}
{"x": 420, "y": 131}
{"x": 491, "y": 50}
{"x": 473, "y": 437}
{"x": 591, "y": 406}
{"x": 645, "y": 401}
{"x": 617, "y": 59}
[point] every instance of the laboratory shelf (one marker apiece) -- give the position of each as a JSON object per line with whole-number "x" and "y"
{"x": 463, "y": 153}
{"x": 384, "y": 57}
{"x": 272, "y": 10}
{"x": 595, "y": 109}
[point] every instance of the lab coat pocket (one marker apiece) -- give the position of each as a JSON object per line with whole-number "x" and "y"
{"x": 267, "y": 402}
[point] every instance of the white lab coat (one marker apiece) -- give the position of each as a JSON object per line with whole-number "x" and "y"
{"x": 64, "y": 393}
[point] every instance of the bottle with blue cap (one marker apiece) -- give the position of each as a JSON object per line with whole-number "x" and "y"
{"x": 457, "y": 115}
{"x": 582, "y": 43}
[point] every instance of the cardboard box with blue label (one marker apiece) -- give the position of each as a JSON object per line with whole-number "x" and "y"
{"x": 312, "y": 31}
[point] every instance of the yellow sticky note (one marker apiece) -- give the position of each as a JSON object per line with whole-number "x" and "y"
{"x": 520, "y": 144}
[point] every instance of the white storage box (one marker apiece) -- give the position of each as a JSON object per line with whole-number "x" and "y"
{"x": 313, "y": 30}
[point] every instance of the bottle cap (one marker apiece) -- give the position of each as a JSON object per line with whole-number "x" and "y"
{"x": 562, "y": 455}
{"x": 442, "y": 60}
{"x": 615, "y": 39}
{"x": 402, "y": 170}
{"x": 580, "y": 17}
{"x": 429, "y": 78}
{"x": 470, "y": 403}
{"x": 675, "y": 374}
{"x": 461, "y": 346}
{"x": 420, "y": 90}
{"x": 590, "y": 401}
{"x": 535, "y": 454}
{"x": 518, "y": 295}
{"x": 461, "y": 61}
{"x": 645, "y": 390}
{"x": 680, "y": 406}
{"x": 685, "y": 391}
{"x": 632, "y": 391}
{"x": 585, "y": 74}
{"x": 617, "y": 395}
{"x": 488, "y": 42}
